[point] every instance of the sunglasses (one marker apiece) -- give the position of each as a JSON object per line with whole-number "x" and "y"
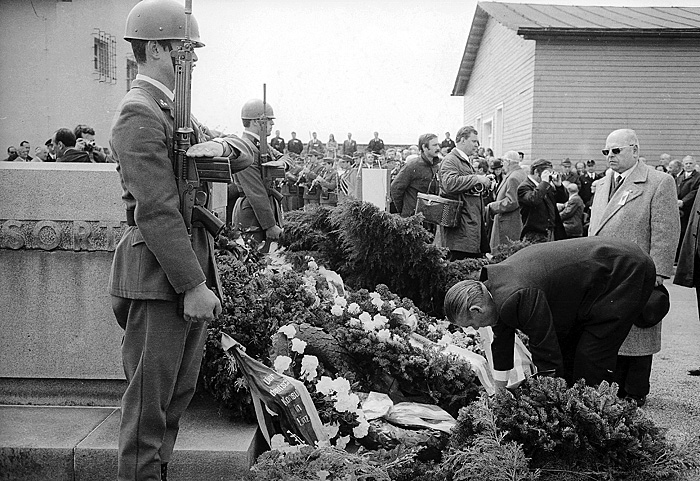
{"x": 615, "y": 151}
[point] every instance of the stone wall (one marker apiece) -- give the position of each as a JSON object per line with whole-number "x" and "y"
{"x": 59, "y": 224}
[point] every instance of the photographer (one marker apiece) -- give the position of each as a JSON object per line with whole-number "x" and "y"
{"x": 85, "y": 141}
{"x": 538, "y": 196}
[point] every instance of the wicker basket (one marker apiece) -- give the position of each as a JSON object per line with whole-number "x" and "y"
{"x": 439, "y": 210}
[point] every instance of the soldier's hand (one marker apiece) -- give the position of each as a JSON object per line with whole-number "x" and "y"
{"x": 201, "y": 304}
{"x": 206, "y": 149}
{"x": 273, "y": 233}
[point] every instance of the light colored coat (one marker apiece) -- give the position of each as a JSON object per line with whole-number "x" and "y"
{"x": 643, "y": 210}
{"x": 507, "y": 223}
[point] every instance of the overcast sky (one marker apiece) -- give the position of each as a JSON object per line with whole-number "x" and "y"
{"x": 339, "y": 66}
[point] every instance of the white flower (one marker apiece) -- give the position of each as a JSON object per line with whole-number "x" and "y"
{"x": 331, "y": 430}
{"x": 367, "y": 323}
{"x": 288, "y": 331}
{"x": 445, "y": 340}
{"x": 341, "y": 301}
{"x": 384, "y": 335}
{"x": 309, "y": 364}
{"x": 362, "y": 430}
{"x": 392, "y": 304}
{"x": 375, "y": 295}
{"x": 354, "y": 308}
{"x": 341, "y": 385}
{"x": 380, "y": 321}
{"x": 282, "y": 363}
{"x": 342, "y": 442}
{"x": 346, "y": 402}
{"x": 277, "y": 441}
{"x": 407, "y": 317}
{"x": 325, "y": 385}
{"x": 337, "y": 310}
{"x": 354, "y": 322}
{"x": 378, "y": 303}
{"x": 298, "y": 345}
{"x": 313, "y": 266}
{"x": 432, "y": 328}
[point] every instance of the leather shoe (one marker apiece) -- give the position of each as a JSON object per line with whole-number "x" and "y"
{"x": 694, "y": 372}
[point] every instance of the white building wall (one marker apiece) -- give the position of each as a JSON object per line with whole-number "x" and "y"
{"x": 47, "y": 71}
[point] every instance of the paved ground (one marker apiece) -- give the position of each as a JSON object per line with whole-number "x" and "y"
{"x": 674, "y": 401}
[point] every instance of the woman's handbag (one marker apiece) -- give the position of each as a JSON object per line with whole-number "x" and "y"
{"x": 438, "y": 210}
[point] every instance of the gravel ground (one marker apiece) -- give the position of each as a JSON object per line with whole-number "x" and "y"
{"x": 674, "y": 400}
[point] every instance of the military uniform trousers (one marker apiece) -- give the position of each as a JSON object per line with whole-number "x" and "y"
{"x": 162, "y": 354}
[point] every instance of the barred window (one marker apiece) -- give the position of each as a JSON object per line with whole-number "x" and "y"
{"x": 131, "y": 71}
{"x": 105, "y": 56}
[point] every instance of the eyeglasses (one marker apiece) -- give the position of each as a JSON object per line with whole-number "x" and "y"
{"x": 615, "y": 151}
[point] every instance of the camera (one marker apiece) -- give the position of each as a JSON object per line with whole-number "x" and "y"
{"x": 89, "y": 145}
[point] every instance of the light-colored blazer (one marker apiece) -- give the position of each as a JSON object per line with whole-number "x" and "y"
{"x": 507, "y": 223}
{"x": 643, "y": 210}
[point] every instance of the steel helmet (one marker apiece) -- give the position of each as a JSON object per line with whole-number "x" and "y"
{"x": 253, "y": 110}
{"x": 160, "y": 20}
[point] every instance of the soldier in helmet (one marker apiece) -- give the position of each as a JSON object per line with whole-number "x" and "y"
{"x": 258, "y": 212}
{"x": 163, "y": 283}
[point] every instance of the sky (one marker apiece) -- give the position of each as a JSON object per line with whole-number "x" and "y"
{"x": 340, "y": 66}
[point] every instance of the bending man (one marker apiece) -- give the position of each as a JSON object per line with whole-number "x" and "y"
{"x": 576, "y": 300}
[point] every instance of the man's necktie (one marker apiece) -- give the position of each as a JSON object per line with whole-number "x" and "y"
{"x": 616, "y": 185}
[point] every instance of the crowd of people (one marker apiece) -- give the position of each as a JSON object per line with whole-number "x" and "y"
{"x": 65, "y": 145}
{"x": 504, "y": 199}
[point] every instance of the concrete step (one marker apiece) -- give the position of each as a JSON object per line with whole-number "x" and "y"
{"x": 79, "y": 443}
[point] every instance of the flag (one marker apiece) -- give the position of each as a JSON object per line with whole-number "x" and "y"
{"x": 282, "y": 403}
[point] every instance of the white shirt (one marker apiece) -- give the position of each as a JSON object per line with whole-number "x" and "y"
{"x": 168, "y": 93}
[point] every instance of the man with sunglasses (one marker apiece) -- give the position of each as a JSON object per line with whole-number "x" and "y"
{"x": 637, "y": 203}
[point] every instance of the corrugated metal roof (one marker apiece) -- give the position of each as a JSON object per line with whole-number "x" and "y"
{"x": 517, "y": 16}
{"x": 533, "y": 21}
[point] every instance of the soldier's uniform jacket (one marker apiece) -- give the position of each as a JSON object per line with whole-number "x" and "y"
{"x": 155, "y": 259}
{"x": 256, "y": 210}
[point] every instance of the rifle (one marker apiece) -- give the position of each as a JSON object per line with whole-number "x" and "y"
{"x": 191, "y": 172}
{"x": 270, "y": 170}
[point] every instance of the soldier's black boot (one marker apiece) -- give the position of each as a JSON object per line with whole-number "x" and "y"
{"x": 164, "y": 472}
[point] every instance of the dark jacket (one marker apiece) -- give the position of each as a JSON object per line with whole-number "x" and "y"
{"x": 418, "y": 175}
{"x": 687, "y": 189}
{"x": 538, "y": 208}
{"x": 376, "y": 146}
{"x": 686, "y": 273}
{"x": 256, "y": 210}
{"x": 74, "y": 155}
{"x": 278, "y": 144}
{"x": 295, "y": 145}
{"x": 548, "y": 290}
{"x": 585, "y": 188}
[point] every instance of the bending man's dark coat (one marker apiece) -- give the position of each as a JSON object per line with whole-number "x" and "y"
{"x": 575, "y": 299}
